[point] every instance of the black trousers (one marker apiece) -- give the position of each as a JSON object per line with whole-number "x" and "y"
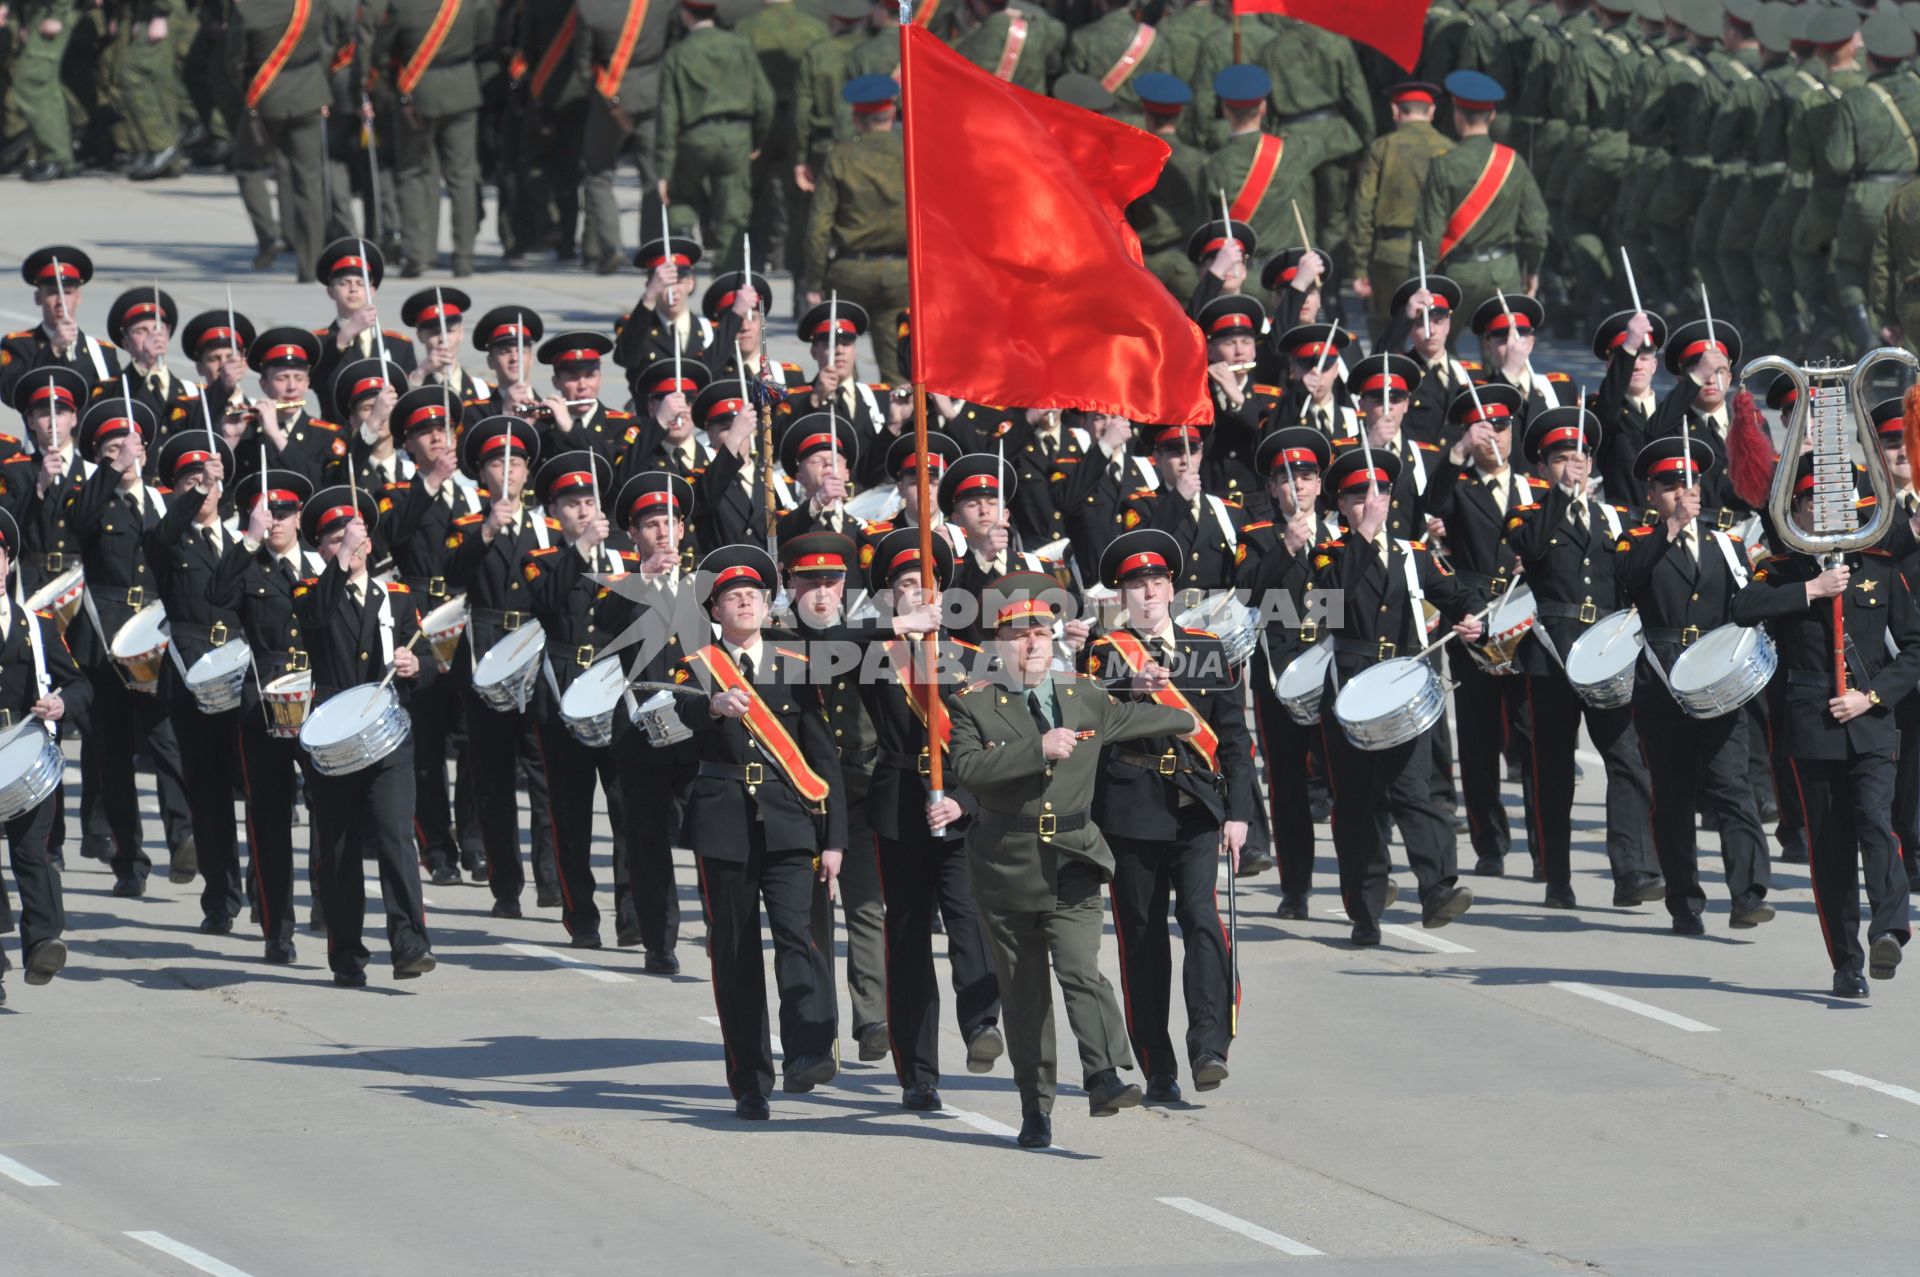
{"x": 1143, "y": 874}
{"x": 42, "y": 916}
{"x": 1846, "y": 802}
{"x": 1906, "y": 793}
{"x": 1762, "y": 712}
{"x": 1490, "y": 718}
{"x": 1370, "y": 786}
{"x": 653, "y": 784}
{"x": 731, "y": 892}
{"x": 1556, "y": 712}
{"x": 119, "y": 723}
{"x": 210, "y": 763}
{"x": 368, "y": 812}
{"x": 1686, "y": 756}
{"x": 1287, "y": 747}
{"x": 917, "y": 878}
{"x": 435, "y": 711}
{"x": 267, "y": 772}
{"x": 571, "y": 770}
{"x": 494, "y": 751}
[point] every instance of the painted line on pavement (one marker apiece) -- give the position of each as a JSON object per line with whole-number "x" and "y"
{"x": 24, "y": 1175}
{"x": 1415, "y": 934}
{"x": 187, "y": 1255}
{"x": 572, "y": 963}
{"x": 373, "y": 893}
{"x": 714, "y": 1020}
{"x": 1908, "y": 1094}
{"x": 1233, "y": 1223}
{"x": 1589, "y": 758}
{"x": 1638, "y": 1008}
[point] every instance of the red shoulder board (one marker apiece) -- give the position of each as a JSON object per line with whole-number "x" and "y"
{"x": 1258, "y": 526}
{"x": 1470, "y": 365}
{"x": 1271, "y": 391}
{"x": 398, "y": 587}
{"x": 866, "y": 554}
{"x": 1426, "y": 447}
{"x": 544, "y": 549}
{"x": 323, "y": 425}
{"x": 319, "y": 332}
{"x": 627, "y": 556}
{"x": 614, "y": 414}
{"x": 793, "y": 368}
{"x": 1418, "y": 545}
{"x": 1186, "y": 629}
{"x": 553, "y": 524}
{"x": 1559, "y": 378}
{"x": 1642, "y": 531}
{"x": 787, "y": 651}
{"x": 461, "y": 521}
{"x": 398, "y": 336}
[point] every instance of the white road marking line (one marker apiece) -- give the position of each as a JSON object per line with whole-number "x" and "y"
{"x": 1416, "y": 935}
{"x": 25, "y": 1175}
{"x": 187, "y": 1255}
{"x": 1638, "y": 1008}
{"x": 373, "y": 893}
{"x": 1590, "y": 759}
{"x": 1908, "y": 1094}
{"x": 1233, "y": 1223}
{"x": 567, "y": 960}
{"x": 714, "y": 1020}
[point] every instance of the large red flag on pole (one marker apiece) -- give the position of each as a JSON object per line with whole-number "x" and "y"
{"x": 1395, "y": 27}
{"x": 1026, "y": 280}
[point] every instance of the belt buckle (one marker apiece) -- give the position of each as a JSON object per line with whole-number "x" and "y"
{"x": 436, "y": 587}
{"x": 583, "y": 655}
{"x": 1386, "y": 651}
{"x": 1169, "y": 764}
{"x": 511, "y": 621}
{"x": 1049, "y": 825}
{"x": 1193, "y": 597}
{"x": 1588, "y": 613}
{"x": 756, "y": 775}
{"x": 217, "y": 634}
{"x": 297, "y": 661}
{"x": 56, "y": 561}
{"x": 924, "y": 763}
{"x": 6, "y": 718}
{"x": 1689, "y": 635}
{"x": 1723, "y": 520}
{"x": 1310, "y": 632}
{"x": 137, "y": 596}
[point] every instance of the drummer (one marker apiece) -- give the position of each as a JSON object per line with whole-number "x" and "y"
{"x": 1206, "y": 527}
{"x": 49, "y": 402}
{"x": 1682, "y": 573}
{"x": 37, "y": 677}
{"x": 1565, "y": 546}
{"x": 184, "y": 550}
{"x": 567, "y": 586}
{"x": 1380, "y": 582}
{"x": 256, "y": 579}
{"x": 366, "y": 391}
{"x": 1383, "y": 387}
{"x": 357, "y": 631}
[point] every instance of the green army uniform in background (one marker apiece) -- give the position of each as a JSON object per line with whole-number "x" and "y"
{"x": 1504, "y": 247}
{"x": 815, "y": 119}
{"x": 1597, "y": 159}
{"x": 1386, "y": 197}
{"x": 146, "y": 87}
{"x": 1292, "y": 183}
{"x": 1446, "y": 30}
{"x": 1319, "y": 94}
{"x": 436, "y": 129}
{"x": 782, "y": 35}
{"x": 215, "y": 98}
{"x": 1762, "y": 283}
{"x": 540, "y": 183}
{"x": 1202, "y": 124}
{"x": 1686, "y": 95}
{"x": 1187, "y": 28}
{"x": 1042, "y": 51}
{"x": 347, "y": 80}
{"x": 1164, "y": 217}
{"x": 1893, "y": 266}
{"x": 1486, "y": 45}
{"x": 37, "y": 91}
{"x": 1731, "y": 133}
{"x": 1543, "y": 107}
{"x": 1649, "y": 159}
{"x": 281, "y": 131}
{"x": 1773, "y": 251}
{"x": 715, "y": 108}
{"x": 857, "y": 236}
{"x": 1872, "y": 143}
{"x": 1812, "y": 245}
{"x": 1100, "y": 48}
{"x": 613, "y": 119}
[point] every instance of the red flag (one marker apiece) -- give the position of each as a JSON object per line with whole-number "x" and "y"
{"x": 1026, "y": 279}
{"x": 1395, "y": 27}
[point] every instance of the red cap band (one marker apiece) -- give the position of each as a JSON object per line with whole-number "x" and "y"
{"x": 186, "y": 459}
{"x": 212, "y": 335}
{"x": 296, "y": 353}
{"x": 1298, "y": 457}
{"x": 51, "y": 391}
{"x": 1560, "y": 434}
{"x": 678, "y": 260}
{"x": 737, "y": 573}
{"x": 725, "y": 407}
{"x": 1803, "y": 484}
{"x": 336, "y": 515}
{"x": 1693, "y": 349}
{"x": 1176, "y": 435}
{"x": 1020, "y": 609}
{"x": 1358, "y": 477}
{"x": 934, "y": 462}
{"x": 1313, "y": 349}
{"x": 1467, "y": 104}
{"x": 1672, "y": 465}
{"x": 841, "y": 325}
{"x": 365, "y": 384}
{"x": 495, "y": 443}
{"x": 647, "y": 500}
{"x": 817, "y": 443}
{"x": 572, "y": 479}
{"x": 348, "y": 263}
{"x": 280, "y": 496}
{"x": 1215, "y": 245}
{"x": 1140, "y": 562}
{"x": 429, "y": 412}
{"x": 138, "y": 309}
{"x": 671, "y": 384}
{"x": 432, "y": 313}
{"x": 66, "y": 270}
{"x": 507, "y": 332}
{"x": 113, "y": 428}
{"x": 1506, "y": 319}
{"x": 1416, "y": 95}
{"x": 1390, "y": 381}
{"x": 1233, "y": 319}
{"x": 906, "y": 558}
{"x": 583, "y": 356}
{"x": 820, "y": 563}
{"x": 873, "y": 108}
{"x": 1486, "y": 412}
{"x": 991, "y": 483}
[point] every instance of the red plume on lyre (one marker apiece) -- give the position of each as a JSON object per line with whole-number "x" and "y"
{"x": 1910, "y": 421}
{"x": 1751, "y": 456}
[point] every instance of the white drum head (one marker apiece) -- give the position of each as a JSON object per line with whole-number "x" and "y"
{"x": 594, "y": 692}
{"x": 346, "y": 715}
{"x": 510, "y": 654}
{"x": 146, "y": 631}
{"x": 52, "y": 592}
{"x": 1304, "y": 673}
{"x": 218, "y": 663}
{"x": 449, "y": 615}
{"x": 1712, "y": 657}
{"x": 1378, "y": 691}
{"x": 1618, "y": 636}
{"x": 298, "y": 683}
{"x": 20, "y": 750}
{"x": 1516, "y": 608}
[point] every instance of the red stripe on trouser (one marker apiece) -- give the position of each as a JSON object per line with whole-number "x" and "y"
{"x": 886, "y": 965}
{"x": 1333, "y": 815}
{"x": 1813, "y": 874}
{"x": 1126, "y": 989}
{"x": 553, "y": 825}
{"x": 713, "y": 971}
{"x": 253, "y": 838}
{"x": 1227, "y": 940}
{"x": 1535, "y": 822}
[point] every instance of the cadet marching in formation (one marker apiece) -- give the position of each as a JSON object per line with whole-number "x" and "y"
{"x": 710, "y": 595}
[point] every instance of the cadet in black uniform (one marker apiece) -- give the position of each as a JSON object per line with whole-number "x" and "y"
{"x": 820, "y": 454}
{"x": 38, "y": 678}
{"x": 438, "y": 319}
{"x": 287, "y": 360}
{"x": 1170, "y": 806}
{"x": 346, "y": 267}
{"x": 646, "y": 333}
{"x": 573, "y": 415}
{"x": 1843, "y": 746}
{"x": 1682, "y": 574}
{"x": 1702, "y": 372}
{"x": 57, "y": 274}
{"x": 1383, "y": 386}
{"x": 509, "y": 336}
{"x": 1629, "y": 344}
{"x": 356, "y": 629}
{"x": 217, "y": 342}
{"x": 1565, "y": 546}
{"x": 1206, "y": 527}
{"x": 1422, "y": 329}
{"x": 141, "y": 323}
{"x": 1091, "y": 493}
{"x": 50, "y": 403}
{"x": 766, "y": 816}
{"x": 730, "y": 502}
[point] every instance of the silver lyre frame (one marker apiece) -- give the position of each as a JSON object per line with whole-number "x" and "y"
{"x": 1780, "y": 500}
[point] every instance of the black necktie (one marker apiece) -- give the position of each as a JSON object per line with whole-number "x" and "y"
{"x": 746, "y": 667}
{"x": 1163, "y": 653}
{"x": 1039, "y": 711}
{"x": 1580, "y": 517}
{"x": 153, "y": 384}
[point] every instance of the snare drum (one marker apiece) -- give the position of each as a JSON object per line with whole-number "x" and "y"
{"x": 588, "y": 706}
{"x": 503, "y": 679}
{"x": 140, "y": 646}
{"x": 1722, "y": 670}
{"x": 1390, "y": 703}
{"x": 1229, "y": 620}
{"x": 1303, "y": 682}
{"x": 443, "y": 627}
{"x": 354, "y": 730}
{"x": 1507, "y": 624}
{"x": 61, "y": 596}
{"x": 1600, "y": 664}
{"x": 219, "y": 677}
{"x": 661, "y": 722}
{"x": 30, "y": 769}
{"x": 288, "y": 698}
{"x": 1108, "y": 611}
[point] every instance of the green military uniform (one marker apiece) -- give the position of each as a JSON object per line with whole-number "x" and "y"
{"x": 1115, "y": 48}
{"x": 145, "y": 86}
{"x": 1773, "y": 250}
{"x": 282, "y": 128}
{"x": 1163, "y": 218}
{"x": 214, "y": 97}
{"x": 1292, "y": 183}
{"x": 1504, "y": 247}
{"x": 1487, "y": 44}
{"x": 546, "y": 126}
{"x": 1543, "y": 109}
{"x": 1872, "y": 142}
{"x": 1732, "y": 131}
{"x": 1598, "y": 158}
{"x": 437, "y": 125}
{"x": 1203, "y": 124}
{"x": 1320, "y": 94}
{"x": 1813, "y": 231}
{"x": 38, "y": 93}
{"x": 1186, "y": 30}
{"x": 816, "y": 119}
{"x": 1756, "y": 214}
{"x": 857, "y": 235}
{"x": 1893, "y": 266}
{"x": 1385, "y": 198}
{"x": 1649, "y": 159}
{"x": 613, "y": 118}
{"x": 716, "y": 107}
{"x": 1029, "y": 37}
{"x": 1446, "y": 31}
{"x": 782, "y": 35}
{"x": 1038, "y": 865}
{"x": 1681, "y": 113}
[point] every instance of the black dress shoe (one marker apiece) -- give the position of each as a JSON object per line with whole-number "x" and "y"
{"x": 546, "y": 898}
{"x": 1689, "y": 924}
{"x": 1036, "y": 1131}
{"x": 873, "y": 1040}
{"x": 584, "y": 940}
{"x": 446, "y": 876}
{"x": 1491, "y": 867}
{"x": 350, "y": 979}
{"x": 477, "y": 871}
{"x": 1107, "y": 1094}
{"x": 1637, "y": 887}
{"x": 752, "y": 1107}
{"x": 1559, "y": 898}
{"x": 100, "y": 849}
{"x": 130, "y": 887}
{"x": 804, "y": 1072}
{"x": 1292, "y": 908}
{"x": 1365, "y": 937}
{"x": 1883, "y": 957}
{"x": 264, "y": 255}
{"x": 1445, "y": 905}
{"x": 662, "y": 964}
{"x": 627, "y": 937}
{"x": 46, "y": 171}
{"x": 1163, "y": 1088}
{"x": 46, "y": 960}
{"x": 157, "y": 165}
{"x": 921, "y": 1098}
{"x": 1254, "y": 866}
{"x": 216, "y": 925}
{"x": 984, "y": 1047}
{"x": 506, "y": 909}
{"x": 1750, "y": 914}
{"x": 1209, "y": 1071}
{"x": 1793, "y": 851}
{"x": 411, "y": 964}
{"x": 183, "y": 865}
{"x": 1849, "y": 983}
{"x": 280, "y": 953}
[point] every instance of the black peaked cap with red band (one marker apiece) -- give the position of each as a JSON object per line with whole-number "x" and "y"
{"x": 721, "y": 398}
{"x": 211, "y": 330}
{"x": 1504, "y": 311}
{"x": 1384, "y": 372}
{"x": 139, "y": 304}
{"x": 582, "y": 470}
{"x": 653, "y": 492}
{"x": 56, "y": 383}
{"x": 283, "y": 347}
{"x": 1293, "y": 446}
{"x": 1495, "y": 403}
{"x": 1303, "y": 341}
{"x": 1612, "y": 334}
{"x": 108, "y": 419}
{"x": 75, "y": 267}
{"x": 1446, "y": 294}
{"x": 188, "y": 450}
{"x": 732, "y": 565}
{"x": 685, "y": 252}
{"x": 1280, "y": 269}
{"x": 1662, "y": 459}
{"x": 903, "y": 454}
{"x": 899, "y": 551}
{"x": 1140, "y": 552}
{"x": 851, "y": 318}
{"x": 508, "y": 325}
{"x": 1689, "y": 342}
{"x": 287, "y": 491}
{"x": 1024, "y": 597}
{"x": 1232, "y": 315}
{"x": 1349, "y": 470}
{"x": 817, "y": 432}
{"x": 350, "y": 256}
{"x": 821, "y": 553}
{"x": 977, "y": 474}
{"x": 487, "y": 438}
{"x": 431, "y": 407}
{"x": 426, "y": 308}
{"x": 721, "y": 293}
{"x": 330, "y": 507}
{"x": 1211, "y": 236}
{"x": 1558, "y": 428}
{"x": 364, "y": 378}
{"x": 664, "y": 376}
{"x": 576, "y": 347}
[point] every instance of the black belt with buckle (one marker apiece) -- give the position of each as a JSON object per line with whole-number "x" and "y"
{"x": 1167, "y": 764}
{"x": 869, "y": 257}
{"x": 1684, "y": 637}
{"x": 583, "y": 655}
{"x": 1725, "y": 518}
{"x": 215, "y": 634}
{"x": 920, "y": 764}
{"x": 291, "y": 661}
{"x": 1585, "y": 613}
{"x": 862, "y": 758}
{"x": 135, "y": 596}
{"x": 1046, "y": 825}
{"x": 54, "y": 561}
{"x": 752, "y": 774}
{"x": 1321, "y": 113}
{"x": 508, "y": 621}
{"x": 1382, "y": 236}
{"x": 7, "y": 719}
{"x": 434, "y": 587}
{"x": 1375, "y": 649}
